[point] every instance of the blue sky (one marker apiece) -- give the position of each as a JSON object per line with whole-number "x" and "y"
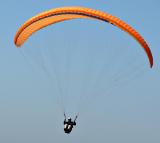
{"x": 83, "y": 66}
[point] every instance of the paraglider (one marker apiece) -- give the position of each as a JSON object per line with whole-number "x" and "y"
{"x": 67, "y": 13}
{"x": 69, "y": 124}
{"x": 61, "y": 14}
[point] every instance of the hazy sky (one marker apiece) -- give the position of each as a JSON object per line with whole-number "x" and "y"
{"x": 81, "y": 66}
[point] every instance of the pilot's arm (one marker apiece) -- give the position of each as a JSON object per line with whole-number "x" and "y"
{"x": 74, "y": 123}
{"x": 65, "y": 122}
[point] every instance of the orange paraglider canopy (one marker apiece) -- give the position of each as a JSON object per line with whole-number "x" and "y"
{"x": 67, "y": 13}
